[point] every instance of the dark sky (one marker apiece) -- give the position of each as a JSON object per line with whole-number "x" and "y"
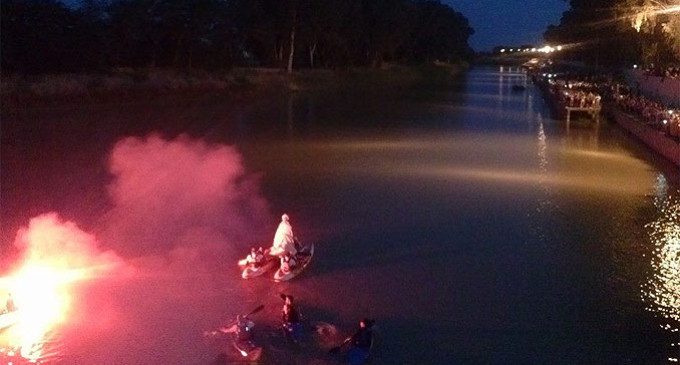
{"x": 508, "y": 22}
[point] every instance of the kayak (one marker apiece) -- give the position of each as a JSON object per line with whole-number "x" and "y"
{"x": 246, "y": 348}
{"x": 357, "y": 355}
{"x": 304, "y": 257}
{"x": 252, "y": 271}
{"x": 292, "y": 332}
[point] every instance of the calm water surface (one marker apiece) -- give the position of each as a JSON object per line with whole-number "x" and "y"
{"x": 471, "y": 225}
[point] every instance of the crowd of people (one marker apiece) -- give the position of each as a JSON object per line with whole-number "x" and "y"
{"x": 651, "y": 113}
{"x": 580, "y": 99}
{"x": 670, "y": 72}
{"x": 571, "y": 90}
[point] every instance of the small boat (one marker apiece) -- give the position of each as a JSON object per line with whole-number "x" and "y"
{"x": 227, "y": 339}
{"x": 304, "y": 257}
{"x": 246, "y": 348}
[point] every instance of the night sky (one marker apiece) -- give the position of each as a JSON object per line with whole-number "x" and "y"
{"x": 501, "y": 22}
{"x": 508, "y": 22}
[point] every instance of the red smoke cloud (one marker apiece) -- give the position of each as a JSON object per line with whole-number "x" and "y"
{"x": 184, "y": 196}
{"x": 178, "y": 207}
{"x": 61, "y": 245}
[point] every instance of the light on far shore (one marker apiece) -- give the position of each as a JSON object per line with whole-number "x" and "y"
{"x": 543, "y": 49}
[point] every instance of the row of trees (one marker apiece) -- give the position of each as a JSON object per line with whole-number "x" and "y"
{"x": 615, "y": 32}
{"x": 48, "y": 36}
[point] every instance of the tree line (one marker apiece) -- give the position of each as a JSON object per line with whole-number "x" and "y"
{"x": 48, "y": 36}
{"x": 619, "y": 32}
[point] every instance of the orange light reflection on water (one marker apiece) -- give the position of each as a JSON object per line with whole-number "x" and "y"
{"x": 661, "y": 292}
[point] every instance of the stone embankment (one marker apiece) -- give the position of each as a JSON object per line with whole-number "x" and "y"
{"x": 657, "y": 140}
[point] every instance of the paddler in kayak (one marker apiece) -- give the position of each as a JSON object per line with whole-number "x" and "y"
{"x": 360, "y": 343}
{"x": 256, "y": 257}
{"x": 288, "y": 263}
{"x": 243, "y": 328}
{"x": 284, "y": 240}
{"x": 290, "y": 319}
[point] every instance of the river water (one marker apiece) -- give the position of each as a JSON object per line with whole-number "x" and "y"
{"x": 472, "y": 226}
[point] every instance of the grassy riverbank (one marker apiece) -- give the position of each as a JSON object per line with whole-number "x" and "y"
{"x": 237, "y": 84}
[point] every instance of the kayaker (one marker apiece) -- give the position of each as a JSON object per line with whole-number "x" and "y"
{"x": 361, "y": 342}
{"x": 288, "y": 262}
{"x": 255, "y": 257}
{"x": 290, "y": 319}
{"x": 284, "y": 240}
{"x": 243, "y": 328}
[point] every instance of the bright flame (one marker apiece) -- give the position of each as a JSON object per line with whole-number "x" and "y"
{"x": 43, "y": 301}
{"x": 56, "y": 254}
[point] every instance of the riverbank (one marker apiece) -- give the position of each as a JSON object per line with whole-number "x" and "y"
{"x": 652, "y": 123}
{"x": 237, "y": 85}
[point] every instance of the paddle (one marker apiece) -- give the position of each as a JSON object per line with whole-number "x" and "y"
{"x": 243, "y": 352}
{"x": 367, "y": 325}
{"x": 336, "y": 349}
{"x": 259, "y": 308}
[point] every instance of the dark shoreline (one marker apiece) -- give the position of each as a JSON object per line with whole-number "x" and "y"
{"x": 237, "y": 85}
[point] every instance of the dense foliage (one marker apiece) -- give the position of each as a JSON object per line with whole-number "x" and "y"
{"x": 605, "y": 33}
{"x": 48, "y": 36}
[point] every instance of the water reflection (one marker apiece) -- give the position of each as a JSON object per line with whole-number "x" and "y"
{"x": 450, "y": 183}
{"x": 661, "y": 292}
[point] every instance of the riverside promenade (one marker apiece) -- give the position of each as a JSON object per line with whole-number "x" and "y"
{"x": 654, "y": 125}
{"x": 660, "y": 129}
{"x": 655, "y": 139}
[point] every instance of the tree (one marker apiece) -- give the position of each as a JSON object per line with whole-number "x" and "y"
{"x": 588, "y": 33}
{"x": 440, "y": 33}
{"x": 41, "y": 37}
{"x": 659, "y": 18}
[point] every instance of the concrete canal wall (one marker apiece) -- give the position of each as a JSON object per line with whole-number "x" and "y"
{"x": 655, "y": 139}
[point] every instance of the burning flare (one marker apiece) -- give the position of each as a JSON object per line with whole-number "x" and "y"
{"x": 55, "y": 255}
